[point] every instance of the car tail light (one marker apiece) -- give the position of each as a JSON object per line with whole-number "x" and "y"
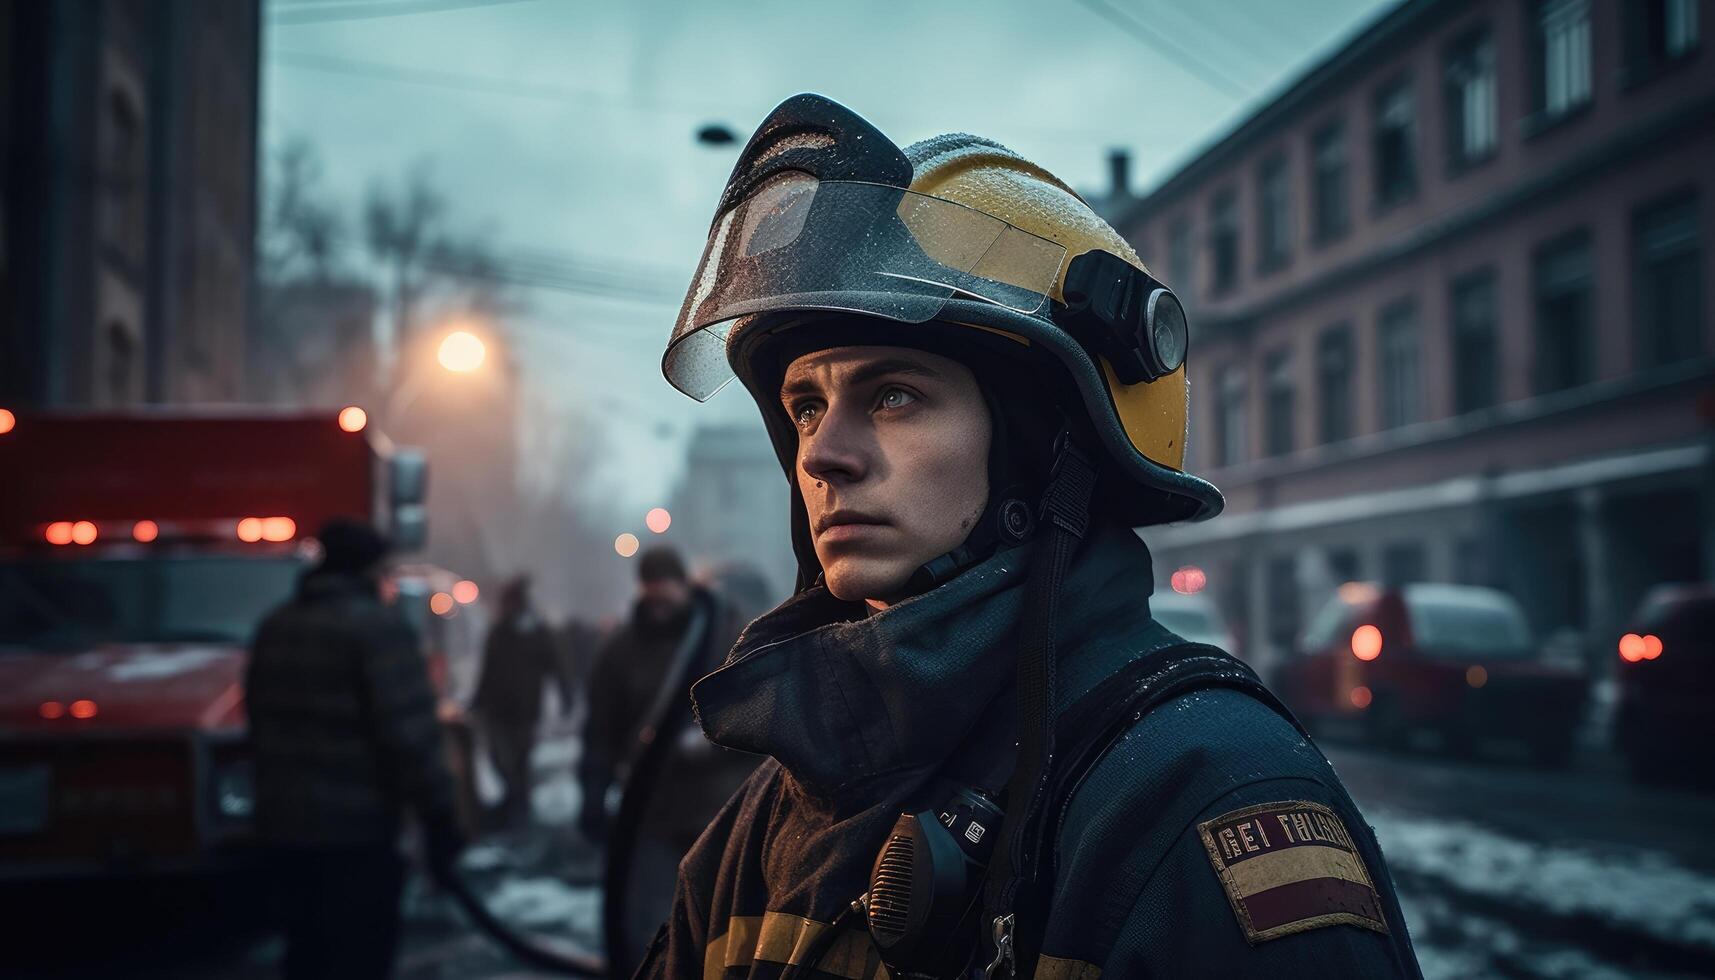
{"x": 1652, "y": 646}
{"x": 1631, "y": 648}
{"x": 83, "y": 709}
{"x": 1366, "y": 642}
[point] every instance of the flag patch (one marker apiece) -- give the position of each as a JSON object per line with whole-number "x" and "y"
{"x": 1289, "y": 867}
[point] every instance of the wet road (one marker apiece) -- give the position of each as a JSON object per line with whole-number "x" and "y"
{"x": 1505, "y": 871}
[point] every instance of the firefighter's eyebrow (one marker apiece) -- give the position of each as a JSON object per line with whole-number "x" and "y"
{"x": 806, "y": 384}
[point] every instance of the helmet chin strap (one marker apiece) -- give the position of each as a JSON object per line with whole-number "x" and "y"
{"x": 1006, "y": 522}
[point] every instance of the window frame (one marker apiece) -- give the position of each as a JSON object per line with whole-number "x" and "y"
{"x": 1336, "y": 338}
{"x": 1279, "y": 384}
{"x": 1542, "y": 255}
{"x": 1224, "y": 231}
{"x": 1651, "y": 336}
{"x": 1460, "y": 332}
{"x": 1330, "y": 223}
{"x": 1390, "y": 194}
{"x": 1394, "y": 410}
{"x": 1273, "y": 216}
{"x": 1466, "y": 47}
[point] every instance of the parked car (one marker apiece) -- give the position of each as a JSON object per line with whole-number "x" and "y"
{"x": 1195, "y": 617}
{"x": 1665, "y": 716}
{"x": 1457, "y": 660}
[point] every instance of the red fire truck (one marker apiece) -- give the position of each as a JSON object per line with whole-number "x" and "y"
{"x": 138, "y": 553}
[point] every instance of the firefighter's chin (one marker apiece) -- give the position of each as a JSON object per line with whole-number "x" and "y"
{"x": 871, "y": 572}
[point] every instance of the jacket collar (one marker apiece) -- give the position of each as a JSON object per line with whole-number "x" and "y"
{"x": 840, "y": 700}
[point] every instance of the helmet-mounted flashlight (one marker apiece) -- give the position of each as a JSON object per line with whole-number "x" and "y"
{"x": 1119, "y": 311}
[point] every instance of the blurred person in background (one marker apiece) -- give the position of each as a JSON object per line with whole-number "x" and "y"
{"x": 346, "y": 739}
{"x": 628, "y": 689}
{"x": 518, "y": 658}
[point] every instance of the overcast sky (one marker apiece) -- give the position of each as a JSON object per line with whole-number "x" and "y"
{"x": 568, "y": 128}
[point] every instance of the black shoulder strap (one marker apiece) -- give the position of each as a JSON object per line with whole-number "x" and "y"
{"x": 1087, "y": 729}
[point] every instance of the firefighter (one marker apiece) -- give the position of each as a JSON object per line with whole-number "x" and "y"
{"x": 984, "y": 753}
{"x": 518, "y": 658}
{"x": 343, "y": 727}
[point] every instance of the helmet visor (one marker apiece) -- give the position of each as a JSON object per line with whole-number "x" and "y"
{"x": 798, "y": 243}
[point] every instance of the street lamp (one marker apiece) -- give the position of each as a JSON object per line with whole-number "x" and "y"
{"x": 461, "y": 352}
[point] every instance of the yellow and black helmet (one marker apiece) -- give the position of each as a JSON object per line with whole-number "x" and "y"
{"x": 825, "y": 218}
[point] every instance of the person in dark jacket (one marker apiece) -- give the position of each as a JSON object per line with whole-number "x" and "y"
{"x": 518, "y": 658}
{"x": 346, "y": 741}
{"x": 627, "y": 688}
{"x": 977, "y": 392}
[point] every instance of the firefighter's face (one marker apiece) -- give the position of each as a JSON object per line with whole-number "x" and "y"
{"x": 893, "y": 448}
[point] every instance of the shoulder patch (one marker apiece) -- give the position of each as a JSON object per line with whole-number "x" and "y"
{"x": 1290, "y": 867}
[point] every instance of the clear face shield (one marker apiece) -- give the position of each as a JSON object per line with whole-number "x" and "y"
{"x": 797, "y": 243}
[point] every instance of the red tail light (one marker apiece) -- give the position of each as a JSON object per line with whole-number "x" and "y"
{"x": 83, "y": 709}
{"x": 1652, "y": 646}
{"x": 1366, "y": 642}
{"x": 1631, "y": 648}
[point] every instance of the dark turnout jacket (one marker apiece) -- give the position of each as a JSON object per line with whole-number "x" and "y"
{"x": 1211, "y": 839}
{"x": 342, "y": 720}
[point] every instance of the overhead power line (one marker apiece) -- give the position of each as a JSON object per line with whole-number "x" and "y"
{"x": 1166, "y": 47}
{"x": 323, "y": 13}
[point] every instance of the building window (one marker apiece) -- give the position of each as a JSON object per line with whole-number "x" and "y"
{"x": 1401, "y": 365}
{"x": 1564, "y": 290}
{"x": 123, "y": 176}
{"x": 1668, "y": 290}
{"x": 1334, "y": 383}
{"x": 1395, "y": 143}
{"x": 1223, "y": 242}
{"x": 1344, "y": 565}
{"x": 1470, "y": 92}
{"x": 1562, "y": 56}
{"x": 1328, "y": 189}
{"x": 1278, "y": 399}
{"x": 1180, "y": 256}
{"x": 121, "y": 365}
{"x": 1403, "y": 563}
{"x": 1282, "y": 585}
{"x": 1230, "y": 415}
{"x": 1274, "y": 215}
{"x": 1474, "y": 349}
{"x": 1658, "y": 34}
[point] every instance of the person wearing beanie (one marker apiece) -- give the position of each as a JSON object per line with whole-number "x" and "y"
{"x": 672, "y": 618}
{"x": 984, "y": 756}
{"x": 346, "y": 743}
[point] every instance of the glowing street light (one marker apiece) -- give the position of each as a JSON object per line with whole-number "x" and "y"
{"x": 462, "y": 352}
{"x": 626, "y": 545}
{"x": 465, "y": 591}
{"x": 658, "y": 520}
{"x": 353, "y": 419}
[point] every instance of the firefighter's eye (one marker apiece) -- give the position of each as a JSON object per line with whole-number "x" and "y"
{"x": 805, "y": 414}
{"x": 894, "y": 398}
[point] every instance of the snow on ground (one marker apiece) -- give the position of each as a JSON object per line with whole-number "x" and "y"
{"x": 1641, "y": 891}
{"x": 545, "y": 903}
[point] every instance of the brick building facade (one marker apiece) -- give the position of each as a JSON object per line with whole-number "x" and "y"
{"x": 1449, "y": 315}
{"x": 128, "y": 199}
